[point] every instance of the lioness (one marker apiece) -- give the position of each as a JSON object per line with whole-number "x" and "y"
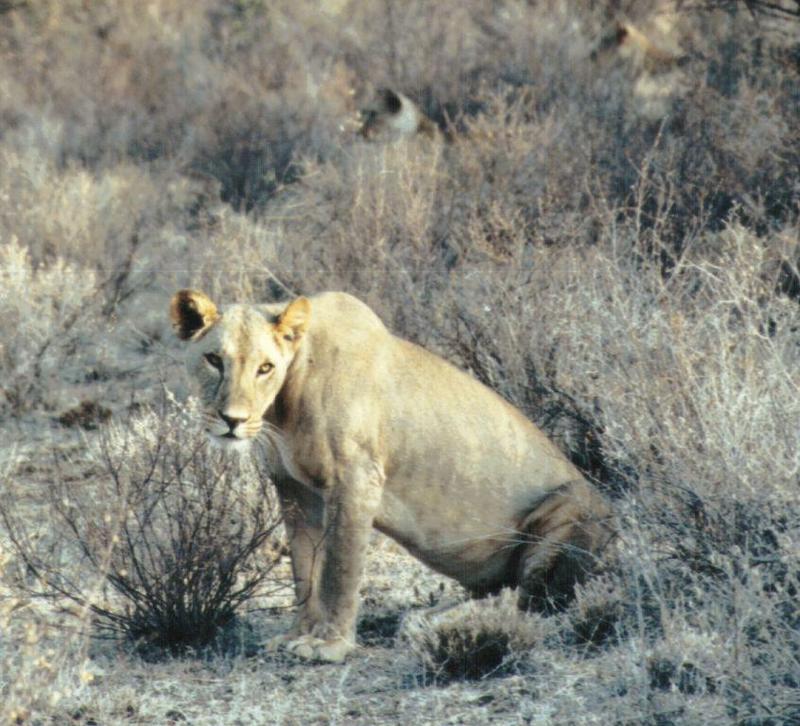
{"x": 392, "y": 116}
{"x": 369, "y": 431}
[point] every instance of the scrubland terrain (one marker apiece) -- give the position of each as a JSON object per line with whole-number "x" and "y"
{"x": 609, "y": 238}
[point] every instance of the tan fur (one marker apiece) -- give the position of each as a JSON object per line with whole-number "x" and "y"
{"x": 636, "y": 45}
{"x": 656, "y": 61}
{"x": 392, "y": 116}
{"x": 364, "y": 429}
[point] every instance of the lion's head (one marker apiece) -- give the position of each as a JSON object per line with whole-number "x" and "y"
{"x": 238, "y": 357}
{"x": 392, "y": 116}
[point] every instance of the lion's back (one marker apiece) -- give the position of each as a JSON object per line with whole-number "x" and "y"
{"x": 421, "y": 406}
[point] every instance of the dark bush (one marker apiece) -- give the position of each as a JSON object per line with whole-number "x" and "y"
{"x": 175, "y": 530}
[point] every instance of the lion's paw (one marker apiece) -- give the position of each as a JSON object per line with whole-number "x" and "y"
{"x": 326, "y": 651}
{"x": 279, "y": 641}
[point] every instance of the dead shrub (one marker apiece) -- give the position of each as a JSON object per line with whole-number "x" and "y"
{"x": 45, "y": 314}
{"x": 376, "y": 218}
{"x": 175, "y": 529}
{"x": 86, "y": 415}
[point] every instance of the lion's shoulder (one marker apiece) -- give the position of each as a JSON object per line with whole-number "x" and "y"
{"x": 342, "y": 316}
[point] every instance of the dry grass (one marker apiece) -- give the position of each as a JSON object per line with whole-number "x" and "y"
{"x": 611, "y": 244}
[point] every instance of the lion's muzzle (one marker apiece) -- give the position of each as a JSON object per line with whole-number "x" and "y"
{"x": 232, "y": 425}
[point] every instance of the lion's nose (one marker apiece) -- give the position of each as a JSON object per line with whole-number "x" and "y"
{"x": 232, "y": 421}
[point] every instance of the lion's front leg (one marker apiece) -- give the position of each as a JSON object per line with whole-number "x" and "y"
{"x": 350, "y": 510}
{"x": 303, "y": 512}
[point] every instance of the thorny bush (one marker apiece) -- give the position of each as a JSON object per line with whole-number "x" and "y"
{"x": 179, "y": 531}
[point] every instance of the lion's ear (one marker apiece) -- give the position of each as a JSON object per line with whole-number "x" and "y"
{"x": 392, "y": 103}
{"x": 293, "y": 321}
{"x": 191, "y": 312}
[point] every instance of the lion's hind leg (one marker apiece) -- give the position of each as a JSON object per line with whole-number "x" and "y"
{"x": 563, "y": 538}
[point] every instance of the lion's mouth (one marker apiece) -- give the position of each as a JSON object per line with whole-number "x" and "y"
{"x": 230, "y": 443}
{"x": 229, "y": 438}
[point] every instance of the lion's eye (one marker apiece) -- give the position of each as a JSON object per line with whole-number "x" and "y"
{"x": 214, "y": 360}
{"x": 265, "y": 368}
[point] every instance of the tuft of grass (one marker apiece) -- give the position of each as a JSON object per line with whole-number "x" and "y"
{"x": 474, "y": 641}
